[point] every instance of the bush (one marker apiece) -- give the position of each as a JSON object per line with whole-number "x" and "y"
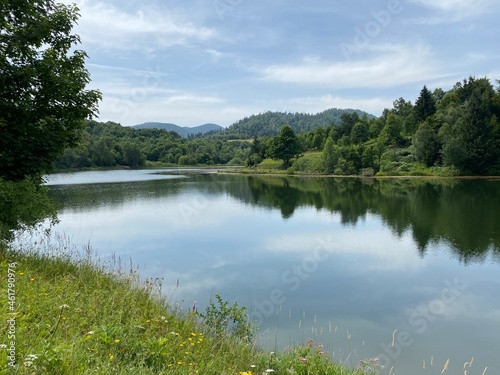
{"x": 271, "y": 164}
{"x": 311, "y": 163}
{"x": 235, "y": 161}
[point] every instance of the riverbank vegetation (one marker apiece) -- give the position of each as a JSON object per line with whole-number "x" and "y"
{"x": 71, "y": 315}
{"x": 443, "y": 133}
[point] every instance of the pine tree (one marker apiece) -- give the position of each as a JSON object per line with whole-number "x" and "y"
{"x": 425, "y": 105}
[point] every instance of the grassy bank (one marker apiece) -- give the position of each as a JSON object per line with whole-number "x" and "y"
{"x": 312, "y": 164}
{"x": 66, "y": 315}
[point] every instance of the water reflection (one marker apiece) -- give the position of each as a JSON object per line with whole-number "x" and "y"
{"x": 392, "y": 247}
{"x": 464, "y": 213}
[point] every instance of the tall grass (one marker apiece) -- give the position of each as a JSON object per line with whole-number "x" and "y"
{"x": 75, "y": 316}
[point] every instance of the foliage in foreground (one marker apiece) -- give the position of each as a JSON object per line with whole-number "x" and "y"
{"x": 43, "y": 95}
{"x": 73, "y": 317}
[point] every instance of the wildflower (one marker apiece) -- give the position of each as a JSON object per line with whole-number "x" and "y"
{"x": 90, "y": 332}
{"x": 117, "y": 341}
{"x": 309, "y": 341}
{"x": 64, "y": 307}
{"x": 303, "y": 360}
{"x": 21, "y": 273}
{"x": 268, "y": 371}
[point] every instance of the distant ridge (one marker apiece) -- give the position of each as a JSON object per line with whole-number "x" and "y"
{"x": 270, "y": 123}
{"x": 183, "y": 131}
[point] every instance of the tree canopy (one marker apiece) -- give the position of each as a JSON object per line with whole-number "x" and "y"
{"x": 43, "y": 80}
{"x": 285, "y": 145}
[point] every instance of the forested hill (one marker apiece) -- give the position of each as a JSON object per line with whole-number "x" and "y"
{"x": 269, "y": 123}
{"x": 183, "y": 131}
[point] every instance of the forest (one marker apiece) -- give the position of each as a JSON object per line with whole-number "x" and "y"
{"x": 455, "y": 132}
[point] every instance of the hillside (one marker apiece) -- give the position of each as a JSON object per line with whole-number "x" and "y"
{"x": 183, "y": 131}
{"x": 270, "y": 123}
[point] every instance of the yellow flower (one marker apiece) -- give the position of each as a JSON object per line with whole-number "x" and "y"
{"x": 117, "y": 341}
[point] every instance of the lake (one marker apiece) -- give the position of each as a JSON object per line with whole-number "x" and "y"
{"x": 403, "y": 270}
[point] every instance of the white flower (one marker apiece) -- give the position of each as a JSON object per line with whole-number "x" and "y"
{"x": 64, "y": 306}
{"x": 90, "y": 332}
{"x": 268, "y": 371}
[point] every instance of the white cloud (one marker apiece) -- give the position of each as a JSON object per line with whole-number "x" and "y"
{"x": 176, "y": 108}
{"x": 454, "y": 10}
{"x": 385, "y": 252}
{"x": 393, "y": 65}
{"x": 191, "y": 99}
{"x": 148, "y": 28}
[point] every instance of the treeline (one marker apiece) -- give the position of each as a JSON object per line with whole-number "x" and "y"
{"x": 110, "y": 144}
{"x": 443, "y": 133}
{"x": 451, "y": 133}
{"x": 269, "y": 124}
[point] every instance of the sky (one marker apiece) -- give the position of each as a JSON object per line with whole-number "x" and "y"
{"x": 191, "y": 62}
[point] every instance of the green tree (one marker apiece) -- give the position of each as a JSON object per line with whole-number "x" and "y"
{"x": 330, "y": 156}
{"x": 256, "y": 153}
{"x": 472, "y": 146}
{"x": 370, "y": 157}
{"x": 102, "y": 155}
{"x": 348, "y": 122}
{"x": 319, "y": 138}
{"x": 392, "y": 130}
{"x": 43, "y": 96}
{"x": 425, "y": 105}
{"x": 285, "y": 146}
{"x": 426, "y": 144}
{"x": 132, "y": 155}
{"x": 359, "y": 133}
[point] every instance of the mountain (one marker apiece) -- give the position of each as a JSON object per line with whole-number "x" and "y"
{"x": 270, "y": 123}
{"x": 183, "y": 131}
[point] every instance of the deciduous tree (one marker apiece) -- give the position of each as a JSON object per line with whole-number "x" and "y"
{"x": 285, "y": 145}
{"x": 43, "y": 80}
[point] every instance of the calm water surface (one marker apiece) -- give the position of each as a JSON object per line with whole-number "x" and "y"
{"x": 343, "y": 261}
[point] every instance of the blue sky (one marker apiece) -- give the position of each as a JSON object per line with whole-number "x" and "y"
{"x": 196, "y": 61}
